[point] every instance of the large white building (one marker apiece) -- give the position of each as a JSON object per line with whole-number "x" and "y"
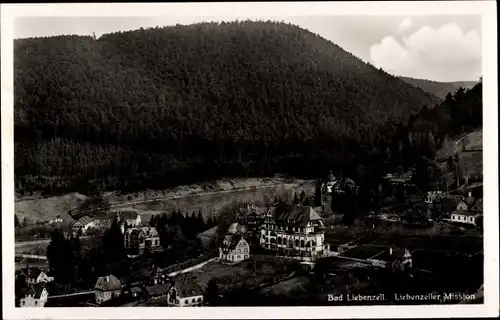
{"x": 294, "y": 230}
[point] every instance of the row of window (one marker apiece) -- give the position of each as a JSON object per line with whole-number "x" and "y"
{"x": 462, "y": 218}
{"x": 288, "y": 228}
{"x": 186, "y": 301}
{"x": 284, "y": 241}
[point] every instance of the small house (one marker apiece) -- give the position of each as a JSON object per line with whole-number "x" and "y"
{"x": 57, "y": 220}
{"x": 36, "y": 275}
{"x": 185, "y": 292}
{"x": 83, "y": 224}
{"x": 134, "y": 240}
{"x": 36, "y": 296}
{"x": 156, "y": 291}
{"x": 151, "y": 238}
{"x": 107, "y": 288}
{"x": 234, "y": 248}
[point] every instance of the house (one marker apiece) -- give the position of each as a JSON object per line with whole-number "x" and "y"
{"x": 401, "y": 258}
{"x": 468, "y": 217}
{"x": 157, "y": 276}
{"x": 185, "y": 292}
{"x": 293, "y": 230}
{"x": 237, "y": 228}
{"x": 107, "y": 288}
{"x": 156, "y": 291}
{"x": 234, "y": 248}
{"x": 57, "y": 220}
{"x": 36, "y": 275}
{"x": 432, "y": 196}
{"x": 103, "y": 221}
{"x": 134, "y": 240}
{"x": 151, "y": 238}
{"x": 36, "y": 296}
{"x": 130, "y": 217}
{"x": 83, "y": 224}
{"x": 462, "y": 206}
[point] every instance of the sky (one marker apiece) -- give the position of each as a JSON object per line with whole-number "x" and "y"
{"x": 434, "y": 47}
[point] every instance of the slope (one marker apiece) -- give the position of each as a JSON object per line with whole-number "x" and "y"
{"x": 439, "y": 89}
{"x": 165, "y": 106}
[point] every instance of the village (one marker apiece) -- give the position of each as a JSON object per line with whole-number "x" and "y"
{"x": 281, "y": 252}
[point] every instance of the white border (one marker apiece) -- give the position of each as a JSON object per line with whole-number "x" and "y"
{"x": 486, "y": 9}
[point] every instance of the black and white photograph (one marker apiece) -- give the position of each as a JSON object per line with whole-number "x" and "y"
{"x": 249, "y": 156}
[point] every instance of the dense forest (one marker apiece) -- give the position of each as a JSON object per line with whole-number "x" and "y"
{"x": 439, "y": 89}
{"x": 157, "y": 107}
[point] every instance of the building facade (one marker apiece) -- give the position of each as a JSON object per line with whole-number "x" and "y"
{"x": 465, "y": 217}
{"x": 107, "y": 288}
{"x": 36, "y": 296}
{"x": 185, "y": 293}
{"x": 295, "y": 230}
{"x": 234, "y": 248}
{"x": 83, "y": 224}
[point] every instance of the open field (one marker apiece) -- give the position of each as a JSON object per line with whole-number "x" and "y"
{"x": 256, "y": 270}
{"x": 207, "y": 197}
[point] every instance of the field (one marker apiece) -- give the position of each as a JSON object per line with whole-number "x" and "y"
{"x": 256, "y": 270}
{"x": 208, "y": 197}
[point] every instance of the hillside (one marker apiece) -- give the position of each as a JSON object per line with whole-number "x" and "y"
{"x": 159, "y": 107}
{"x": 439, "y": 89}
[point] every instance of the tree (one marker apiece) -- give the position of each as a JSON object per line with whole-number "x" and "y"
{"x": 212, "y": 292}
{"x": 317, "y": 193}
{"x": 113, "y": 244}
{"x": 61, "y": 258}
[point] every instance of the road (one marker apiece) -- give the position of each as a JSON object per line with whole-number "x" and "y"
{"x": 21, "y": 244}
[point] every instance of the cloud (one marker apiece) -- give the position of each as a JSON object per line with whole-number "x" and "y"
{"x": 405, "y": 24}
{"x": 439, "y": 54}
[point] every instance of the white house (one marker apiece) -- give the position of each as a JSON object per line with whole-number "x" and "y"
{"x": 107, "y": 288}
{"x": 36, "y": 275}
{"x": 294, "y": 230}
{"x": 83, "y": 224}
{"x": 466, "y": 217}
{"x": 56, "y": 220}
{"x": 151, "y": 238}
{"x": 36, "y": 296}
{"x": 185, "y": 292}
{"x": 234, "y": 248}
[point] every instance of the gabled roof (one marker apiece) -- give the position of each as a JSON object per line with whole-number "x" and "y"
{"x": 108, "y": 283}
{"x": 158, "y": 290}
{"x": 301, "y": 215}
{"x": 84, "y": 220}
{"x": 464, "y": 213}
{"x": 33, "y": 272}
{"x": 470, "y": 201}
{"x": 35, "y": 290}
{"x": 232, "y": 241}
{"x": 187, "y": 287}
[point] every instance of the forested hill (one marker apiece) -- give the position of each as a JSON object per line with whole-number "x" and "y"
{"x": 156, "y": 107}
{"x": 439, "y": 89}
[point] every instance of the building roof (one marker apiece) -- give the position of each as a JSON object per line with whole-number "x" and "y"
{"x": 158, "y": 290}
{"x": 232, "y": 241}
{"x": 35, "y": 290}
{"x": 449, "y": 203}
{"x": 470, "y": 201}
{"x": 33, "y": 272}
{"x": 464, "y": 213}
{"x": 187, "y": 287}
{"x": 134, "y": 232}
{"x": 84, "y": 220}
{"x": 301, "y": 215}
{"x": 108, "y": 283}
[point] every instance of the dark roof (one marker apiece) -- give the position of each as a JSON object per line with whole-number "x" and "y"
{"x": 187, "y": 287}
{"x": 301, "y": 215}
{"x": 232, "y": 240}
{"x": 108, "y": 283}
{"x": 464, "y": 213}
{"x": 449, "y": 203}
{"x": 35, "y": 290}
{"x": 135, "y": 232}
{"x": 33, "y": 272}
{"x": 470, "y": 201}
{"x": 158, "y": 290}
{"x": 85, "y": 220}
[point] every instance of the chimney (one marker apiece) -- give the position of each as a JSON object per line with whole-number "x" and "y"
{"x": 107, "y": 278}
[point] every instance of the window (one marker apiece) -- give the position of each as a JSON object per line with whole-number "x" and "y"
{"x": 199, "y": 299}
{"x": 186, "y": 301}
{"x": 193, "y": 301}
{"x": 302, "y": 244}
{"x": 296, "y": 242}
{"x": 36, "y": 303}
{"x": 24, "y": 302}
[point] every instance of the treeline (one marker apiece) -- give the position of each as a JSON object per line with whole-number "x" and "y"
{"x": 165, "y": 106}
